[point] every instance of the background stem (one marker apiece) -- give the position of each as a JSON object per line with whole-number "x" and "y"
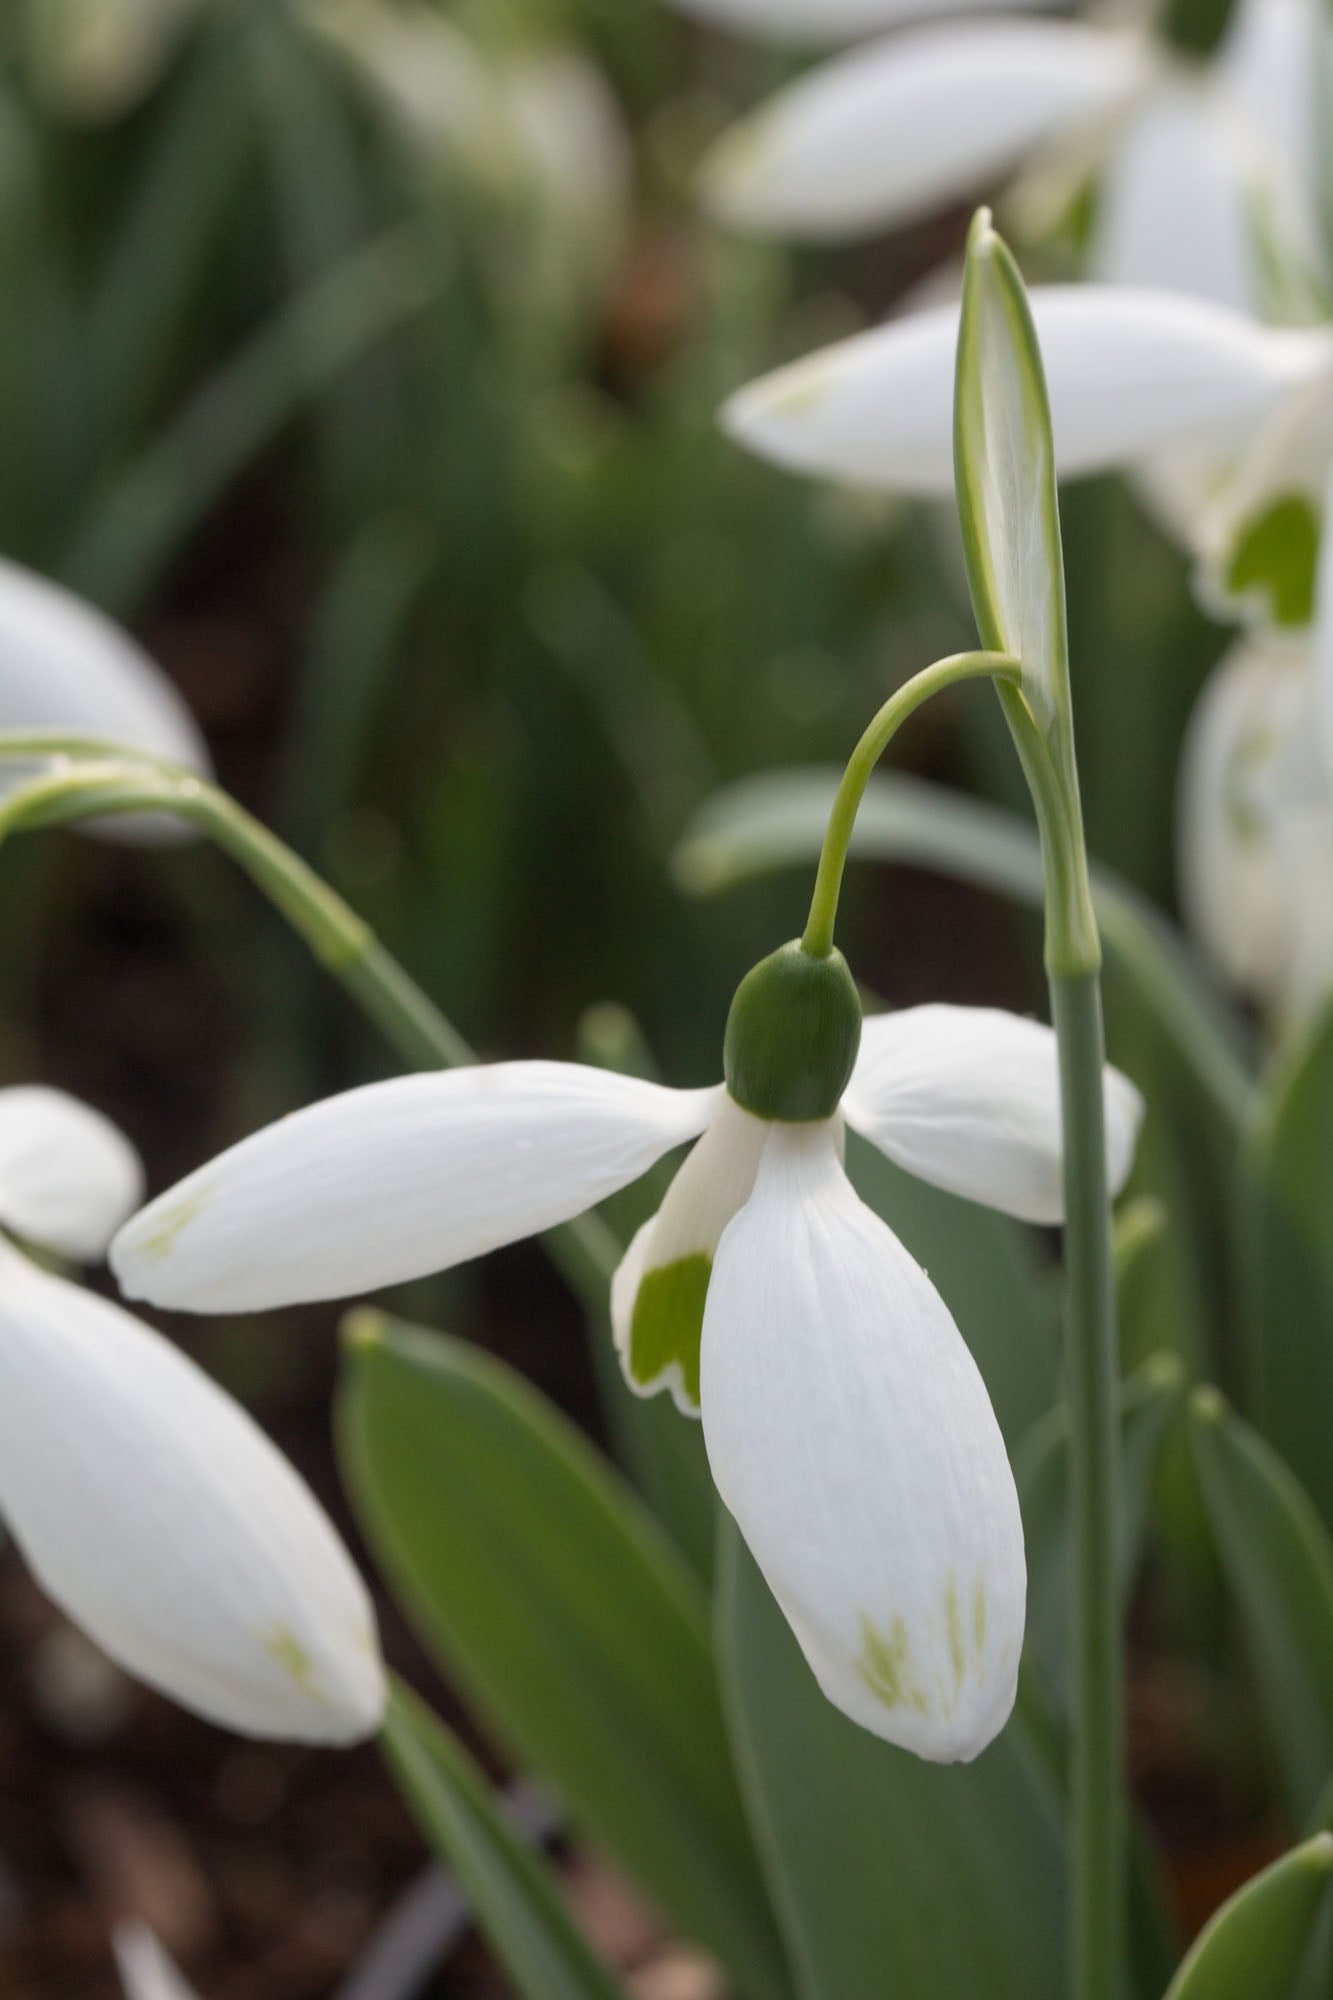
{"x": 1091, "y": 1370}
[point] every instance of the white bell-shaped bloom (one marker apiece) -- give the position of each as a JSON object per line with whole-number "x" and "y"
{"x": 149, "y": 1506}
{"x": 1130, "y": 374}
{"x": 65, "y": 667}
{"x": 885, "y": 1516}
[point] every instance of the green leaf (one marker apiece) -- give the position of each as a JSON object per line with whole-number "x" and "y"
{"x": 776, "y": 821}
{"x": 565, "y": 1614}
{"x": 989, "y": 1274}
{"x": 892, "y": 1876}
{"x": 1254, "y": 1947}
{"x": 1041, "y": 1468}
{"x": 511, "y": 1888}
{"x": 1278, "y": 1560}
{"x": 1284, "y": 1231}
{"x": 1004, "y": 467}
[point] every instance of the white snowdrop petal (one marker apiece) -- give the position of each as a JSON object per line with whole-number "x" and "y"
{"x": 164, "y": 1523}
{"x": 900, "y": 127}
{"x": 1129, "y": 372}
{"x": 1174, "y": 207}
{"x": 397, "y": 1180}
{"x": 68, "y": 1178}
{"x": 657, "y": 1295}
{"x": 968, "y": 1098}
{"x": 850, "y": 1435}
{"x": 1269, "y": 65}
{"x": 146, "y": 1973}
{"x": 823, "y": 21}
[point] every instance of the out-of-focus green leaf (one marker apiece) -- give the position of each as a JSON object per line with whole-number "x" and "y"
{"x": 1278, "y": 1559}
{"x": 772, "y": 822}
{"x": 989, "y": 1274}
{"x": 511, "y": 1888}
{"x": 892, "y": 1876}
{"x": 1041, "y": 1467}
{"x": 568, "y": 1618}
{"x": 1139, "y": 1231}
{"x": 1284, "y": 1229}
{"x": 1254, "y": 1947}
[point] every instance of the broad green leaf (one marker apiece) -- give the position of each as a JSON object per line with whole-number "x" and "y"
{"x": 1254, "y": 1947}
{"x": 1004, "y": 466}
{"x": 1140, "y": 1229}
{"x": 1278, "y": 1560}
{"x": 1041, "y": 1467}
{"x": 1284, "y": 1228}
{"x": 989, "y": 1273}
{"x": 569, "y": 1620}
{"x": 892, "y": 1876}
{"x": 777, "y": 821}
{"x": 511, "y": 1888}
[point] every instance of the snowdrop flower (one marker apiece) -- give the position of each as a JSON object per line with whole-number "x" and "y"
{"x": 150, "y": 1507}
{"x": 65, "y": 667}
{"x": 846, "y": 1424}
{"x": 1208, "y": 171}
{"x": 96, "y": 59}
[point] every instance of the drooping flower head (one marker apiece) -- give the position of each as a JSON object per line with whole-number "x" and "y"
{"x": 149, "y": 1505}
{"x": 847, "y": 1427}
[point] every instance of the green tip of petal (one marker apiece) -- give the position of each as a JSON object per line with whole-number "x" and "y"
{"x": 667, "y": 1330}
{"x": 1208, "y": 1405}
{"x": 364, "y": 1328}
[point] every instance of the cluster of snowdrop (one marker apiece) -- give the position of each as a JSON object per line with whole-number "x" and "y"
{"x": 1200, "y": 357}
{"x": 848, "y": 1429}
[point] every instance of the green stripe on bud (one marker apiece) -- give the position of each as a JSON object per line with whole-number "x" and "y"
{"x": 792, "y": 1036}
{"x": 667, "y": 1328}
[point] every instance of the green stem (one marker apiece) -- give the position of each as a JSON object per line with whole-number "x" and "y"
{"x": 818, "y": 938}
{"x": 1091, "y": 1371}
{"x": 585, "y": 1251}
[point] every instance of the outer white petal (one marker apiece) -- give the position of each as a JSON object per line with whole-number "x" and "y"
{"x": 1175, "y": 205}
{"x": 1236, "y": 893}
{"x": 675, "y": 1252}
{"x": 399, "y": 1179}
{"x": 63, "y": 666}
{"x": 162, "y": 1521}
{"x": 968, "y": 1098}
{"x": 903, "y": 126}
{"x": 851, "y": 1436}
{"x": 1288, "y": 459}
{"x": 1130, "y": 373}
{"x": 146, "y": 1973}
{"x": 68, "y": 1179}
{"x": 823, "y": 21}
{"x": 1269, "y": 65}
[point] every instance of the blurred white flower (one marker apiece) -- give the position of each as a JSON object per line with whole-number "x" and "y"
{"x": 95, "y": 59}
{"x": 847, "y": 1427}
{"x": 146, "y": 1973}
{"x": 65, "y": 667}
{"x": 149, "y": 1506}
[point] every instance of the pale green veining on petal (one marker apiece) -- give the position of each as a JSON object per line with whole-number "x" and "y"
{"x": 979, "y": 1615}
{"x": 283, "y": 1646}
{"x": 885, "y": 1666}
{"x": 953, "y": 1625}
{"x": 158, "y": 1243}
{"x": 668, "y": 1323}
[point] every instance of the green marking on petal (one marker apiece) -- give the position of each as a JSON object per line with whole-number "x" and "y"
{"x": 283, "y": 1646}
{"x": 1276, "y": 553}
{"x": 886, "y": 1668}
{"x": 668, "y": 1324}
{"x": 953, "y": 1623}
{"x": 979, "y": 1615}
{"x": 161, "y": 1239}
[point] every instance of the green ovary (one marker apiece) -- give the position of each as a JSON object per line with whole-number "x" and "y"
{"x": 668, "y": 1324}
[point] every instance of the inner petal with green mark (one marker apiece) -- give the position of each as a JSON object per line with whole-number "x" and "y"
{"x": 657, "y": 1299}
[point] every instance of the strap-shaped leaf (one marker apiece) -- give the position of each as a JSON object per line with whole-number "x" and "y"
{"x": 1278, "y": 1559}
{"x": 1041, "y": 1467}
{"x": 511, "y": 1888}
{"x": 568, "y": 1618}
{"x": 1254, "y": 1947}
{"x": 1285, "y": 1233}
{"x": 892, "y": 1876}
